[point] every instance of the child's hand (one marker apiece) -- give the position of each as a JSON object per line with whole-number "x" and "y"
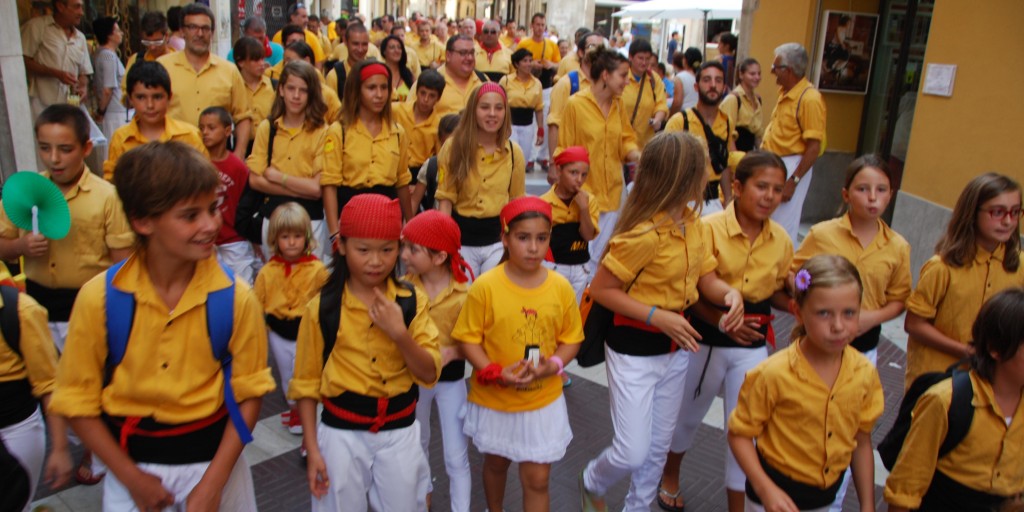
{"x": 34, "y": 245}
{"x": 148, "y": 491}
{"x": 747, "y": 333}
{"x": 582, "y": 199}
{"x": 775, "y": 499}
{"x": 58, "y": 468}
{"x": 677, "y": 328}
{"x": 387, "y": 315}
{"x": 516, "y": 374}
{"x": 733, "y": 318}
{"x": 316, "y": 472}
{"x": 202, "y": 499}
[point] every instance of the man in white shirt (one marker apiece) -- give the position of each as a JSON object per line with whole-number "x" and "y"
{"x": 56, "y": 56}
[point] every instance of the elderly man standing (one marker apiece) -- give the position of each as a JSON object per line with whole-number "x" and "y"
{"x": 493, "y": 59}
{"x": 56, "y": 57}
{"x": 200, "y": 79}
{"x": 795, "y": 132}
{"x": 256, "y": 28}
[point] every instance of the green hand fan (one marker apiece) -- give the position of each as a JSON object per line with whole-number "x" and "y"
{"x": 35, "y": 204}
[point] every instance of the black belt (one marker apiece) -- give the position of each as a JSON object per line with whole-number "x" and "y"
{"x": 345, "y": 194}
{"x": 57, "y": 301}
{"x": 197, "y": 445}
{"x": 351, "y": 405}
{"x": 478, "y": 232}
{"x": 804, "y": 496}
{"x": 712, "y": 337}
{"x": 522, "y": 116}
{"x": 287, "y": 328}
{"x": 945, "y": 494}
{"x": 453, "y": 371}
{"x": 16, "y": 402}
{"x": 868, "y": 340}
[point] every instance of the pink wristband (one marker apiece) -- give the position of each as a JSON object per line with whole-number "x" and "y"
{"x": 561, "y": 364}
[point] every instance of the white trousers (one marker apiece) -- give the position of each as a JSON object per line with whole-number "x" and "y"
{"x": 578, "y": 275}
{"x": 240, "y": 258}
{"x": 26, "y": 441}
{"x": 788, "y": 213}
{"x": 711, "y": 206}
{"x": 525, "y": 136}
{"x": 540, "y": 153}
{"x": 837, "y": 505}
{"x": 238, "y": 494}
{"x": 451, "y": 401}
{"x": 482, "y": 258}
{"x": 605, "y": 225}
{"x": 323, "y": 247}
{"x": 750, "y": 506}
{"x": 388, "y": 468}
{"x": 726, "y": 368}
{"x": 59, "y": 331}
{"x": 284, "y": 355}
{"x": 645, "y": 394}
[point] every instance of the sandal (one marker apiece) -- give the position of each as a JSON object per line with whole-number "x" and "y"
{"x": 670, "y": 506}
{"x": 84, "y": 474}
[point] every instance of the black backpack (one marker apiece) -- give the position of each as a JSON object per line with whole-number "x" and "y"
{"x": 959, "y": 416}
{"x": 249, "y": 213}
{"x": 330, "y": 312}
{"x": 10, "y": 325}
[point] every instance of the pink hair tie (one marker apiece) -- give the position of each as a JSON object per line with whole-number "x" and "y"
{"x": 372, "y": 69}
{"x": 491, "y": 87}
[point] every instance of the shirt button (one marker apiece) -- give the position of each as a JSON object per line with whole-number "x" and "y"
{"x": 374, "y": 360}
{"x": 826, "y": 471}
{"x": 830, "y": 435}
{"x": 383, "y": 381}
{"x": 164, "y": 366}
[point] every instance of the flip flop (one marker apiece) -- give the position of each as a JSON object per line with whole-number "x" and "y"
{"x": 669, "y": 506}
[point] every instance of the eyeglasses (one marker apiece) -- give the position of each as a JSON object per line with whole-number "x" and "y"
{"x": 1000, "y": 213}
{"x": 778, "y": 67}
{"x": 490, "y": 31}
{"x": 198, "y": 28}
{"x": 464, "y": 53}
{"x": 155, "y": 42}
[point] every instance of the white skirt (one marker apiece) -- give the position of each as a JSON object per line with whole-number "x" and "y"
{"x": 540, "y": 436}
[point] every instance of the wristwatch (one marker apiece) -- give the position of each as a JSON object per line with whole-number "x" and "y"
{"x": 796, "y": 179}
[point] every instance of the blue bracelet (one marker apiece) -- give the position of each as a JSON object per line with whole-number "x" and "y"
{"x": 649, "y": 315}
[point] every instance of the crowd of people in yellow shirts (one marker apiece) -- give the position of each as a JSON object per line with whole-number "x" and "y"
{"x": 359, "y": 209}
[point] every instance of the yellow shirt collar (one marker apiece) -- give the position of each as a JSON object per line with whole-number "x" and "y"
{"x": 133, "y": 278}
{"x": 733, "y": 228}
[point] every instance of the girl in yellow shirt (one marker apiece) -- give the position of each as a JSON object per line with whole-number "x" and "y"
{"x": 430, "y": 252}
{"x": 519, "y": 325}
{"x": 397, "y": 61}
{"x": 525, "y": 102}
{"x": 290, "y": 168}
{"x": 983, "y": 471}
{"x": 301, "y": 51}
{"x": 284, "y": 286}
{"x": 479, "y": 171}
{"x": 977, "y": 257}
{"x": 366, "y": 343}
{"x": 753, "y": 254}
{"x": 811, "y": 406}
{"x": 655, "y": 264}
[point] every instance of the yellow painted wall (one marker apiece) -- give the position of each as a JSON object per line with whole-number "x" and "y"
{"x": 977, "y": 129}
{"x": 783, "y": 21}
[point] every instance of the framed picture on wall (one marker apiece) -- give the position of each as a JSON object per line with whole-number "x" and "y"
{"x": 846, "y": 49}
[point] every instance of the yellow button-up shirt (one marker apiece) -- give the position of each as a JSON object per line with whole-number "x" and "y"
{"x": 421, "y": 135}
{"x": 568, "y": 63}
{"x": 499, "y": 178}
{"x": 803, "y": 429}
{"x": 46, "y": 42}
{"x": 98, "y": 225}
{"x": 756, "y": 269}
{"x": 743, "y": 112}
{"x": 445, "y": 308}
{"x": 454, "y": 97}
{"x": 297, "y": 152}
{"x": 168, "y": 371}
{"x": 364, "y": 360}
{"x": 523, "y": 94}
{"x": 218, "y": 83}
{"x": 262, "y": 99}
{"x": 38, "y": 360}
{"x": 560, "y": 94}
{"x": 129, "y": 137}
{"x": 312, "y": 40}
{"x": 786, "y": 134}
{"x": 432, "y": 53}
{"x": 362, "y": 160}
{"x": 721, "y": 127}
{"x": 652, "y": 99}
{"x": 285, "y": 296}
{"x": 499, "y": 61}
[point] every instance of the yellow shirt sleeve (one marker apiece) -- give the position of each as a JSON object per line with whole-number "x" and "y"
{"x": 333, "y": 152}
{"x": 931, "y": 289}
{"x": 900, "y": 282}
{"x": 910, "y": 477}
{"x": 38, "y": 360}
{"x": 116, "y": 149}
{"x": 754, "y": 406}
{"x": 628, "y": 253}
{"x": 812, "y": 117}
{"x": 257, "y": 160}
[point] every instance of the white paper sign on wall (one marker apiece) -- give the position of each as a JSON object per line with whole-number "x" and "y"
{"x": 938, "y": 79}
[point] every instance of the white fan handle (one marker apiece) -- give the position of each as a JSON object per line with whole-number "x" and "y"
{"x": 35, "y": 220}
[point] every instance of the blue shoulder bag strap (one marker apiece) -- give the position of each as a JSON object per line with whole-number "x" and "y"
{"x": 120, "y": 315}
{"x": 574, "y": 82}
{"x": 220, "y": 322}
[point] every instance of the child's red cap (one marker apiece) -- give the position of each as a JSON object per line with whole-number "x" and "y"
{"x": 573, "y": 154}
{"x": 522, "y": 205}
{"x": 371, "y": 216}
{"x": 435, "y": 230}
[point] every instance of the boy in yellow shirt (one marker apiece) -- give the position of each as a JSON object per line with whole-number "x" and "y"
{"x": 419, "y": 119}
{"x": 149, "y": 92}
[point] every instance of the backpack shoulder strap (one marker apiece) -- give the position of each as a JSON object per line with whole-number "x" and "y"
{"x": 10, "y": 325}
{"x": 120, "y": 315}
{"x": 797, "y": 114}
{"x": 341, "y": 75}
{"x": 574, "y": 82}
{"x": 961, "y": 412}
{"x": 220, "y": 323}
{"x": 686, "y": 121}
{"x": 481, "y": 76}
{"x": 270, "y": 140}
{"x": 408, "y": 304}
{"x": 639, "y": 96}
{"x": 330, "y": 314}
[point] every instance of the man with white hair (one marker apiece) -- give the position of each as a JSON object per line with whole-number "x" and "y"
{"x": 256, "y": 28}
{"x": 796, "y": 131}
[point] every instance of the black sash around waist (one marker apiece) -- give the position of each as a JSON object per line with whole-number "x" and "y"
{"x": 198, "y": 445}
{"x": 57, "y": 301}
{"x": 868, "y": 340}
{"x": 453, "y": 371}
{"x": 567, "y": 245}
{"x": 477, "y": 232}
{"x": 745, "y": 139}
{"x": 345, "y": 194}
{"x": 712, "y": 337}
{"x": 946, "y": 494}
{"x": 803, "y": 495}
{"x": 314, "y": 207}
{"x": 16, "y": 402}
{"x": 287, "y": 328}
{"x": 522, "y": 116}
{"x": 367, "y": 407}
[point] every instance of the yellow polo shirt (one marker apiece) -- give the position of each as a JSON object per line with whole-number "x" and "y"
{"x": 504, "y": 319}
{"x": 433, "y": 53}
{"x": 568, "y": 63}
{"x": 285, "y": 296}
{"x": 129, "y": 137}
{"x": 785, "y": 135}
{"x": 756, "y": 269}
{"x": 803, "y": 428}
{"x": 608, "y": 140}
{"x": 98, "y": 225}
{"x": 262, "y": 101}
{"x": 311, "y": 39}
{"x": 340, "y": 53}
{"x": 541, "y": 50}
{"x": 499, "y": 61}
{"x": 444, "y": 308}
{"x": 951, "y": 298}
{"x": 499, "y": 178}
{"x": 38, "y": 359}
{"x": 297, "y": 152}
{"x": 506, "y": 40}
{"x": 364, "y": 360}
{"x": 560, "y": 94}
{"x": 884, "y": 265}
{"x": 672, "y": 257}
{"x": 454, "y": 98}
{"x": 168, "y": 372}
{"x": 523, "y": 94}
{"x": 744, "y": 113}
{"x": 362, "y": 160}
{"x": 562, "y": 212}
{"x": 421, "y": 136}
{"x": 218, "y": 83}
{"x": 987, "y": 460}
{"x": 652, "y": 99}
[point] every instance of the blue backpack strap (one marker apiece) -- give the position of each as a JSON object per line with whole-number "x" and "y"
{"x": 574, "y": 82}
{"x": 120, "y": 315}
{"x": 220, "y": 320}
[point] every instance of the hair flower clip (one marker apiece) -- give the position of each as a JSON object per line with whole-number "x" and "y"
{"x": 803, "y": 280}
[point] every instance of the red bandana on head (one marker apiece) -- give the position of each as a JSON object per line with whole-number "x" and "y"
{"x": 435, "y": 230}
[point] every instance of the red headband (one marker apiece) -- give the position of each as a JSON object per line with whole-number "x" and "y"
{"x": 435, "y": 230}
{"x": 372, "y": 69}
{"x": 573, "y": 154}
{"x": 491, "y": 87}
{"x": 371, "y": 216}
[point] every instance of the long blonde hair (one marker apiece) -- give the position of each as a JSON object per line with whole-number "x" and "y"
{"x": 462, "y": 157}
{"x": 671, "y": 174}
